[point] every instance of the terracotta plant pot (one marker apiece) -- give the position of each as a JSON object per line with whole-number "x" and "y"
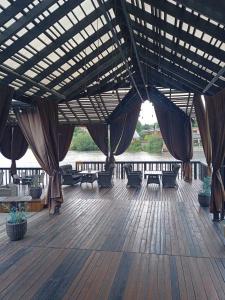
{"x": 16, "y": 231}
{"x": 204, "y": 200}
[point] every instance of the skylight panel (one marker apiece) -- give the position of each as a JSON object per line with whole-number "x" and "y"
{"x": 37, "y": 44}
{"x": 30, "y": 73}
{"x": 5, "y": 3}
{"x": 66, "y": 23}
{"x": 87, "y": 6}
{"x": 170, "y": 19}
{"x": 79, "y": 13}
{"x": 207, "y": 38}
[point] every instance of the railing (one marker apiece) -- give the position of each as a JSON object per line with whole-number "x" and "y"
{"x": 7, "y": 178}
{"x": 197, "y": 167}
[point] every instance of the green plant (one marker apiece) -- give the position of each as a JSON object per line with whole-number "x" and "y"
{"x": 154, "y": 143}
{"x": 206, "y": 186}
{"x": 82, "y": 141}
{"x": 135, "y": 146}
{"x": 16, "y": 215}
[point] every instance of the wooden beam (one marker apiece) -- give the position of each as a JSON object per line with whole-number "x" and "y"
{"x": 55, "y": 45}
{"x": 38, "y": 29}
{"x": 12, "y": 10}
{"x": 178, "y": 61}
{"x": 191, "y": 19}
{"x": 173, "y": 69}
{"x": 210, "y": 8}
{"x": 94, "y": 72}
{"x": 26, "y": 19}
{"x": 179, "y": 49}
{"x": 176, "y": 32}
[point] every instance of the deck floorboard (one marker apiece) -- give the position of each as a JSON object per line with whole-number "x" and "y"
{"x": 117, "y": 243}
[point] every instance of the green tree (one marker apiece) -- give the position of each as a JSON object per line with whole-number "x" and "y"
{"x": 154, "y": 144}
{"x": 82, "y": 141}
{"x": 135, "y": 146}
{"x": 139, "y": 127}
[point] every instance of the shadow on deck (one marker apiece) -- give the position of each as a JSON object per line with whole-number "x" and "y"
{"x": 150, "y": 243}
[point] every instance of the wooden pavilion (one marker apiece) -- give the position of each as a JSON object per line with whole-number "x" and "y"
{"x": 92, "y": 63}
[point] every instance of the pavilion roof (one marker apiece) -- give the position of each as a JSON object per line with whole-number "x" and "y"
{"x": 87, "y": 54}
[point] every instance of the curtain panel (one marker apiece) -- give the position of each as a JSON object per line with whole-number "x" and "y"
{"x": 216, "y": 111}
{"x": 121, "y": 131}
{"x": 40, "y": 128}
{"x": 65, "y": 135}
{"x": 13, "y": 145}
{"x": 203, "y": 125}
{"x": 176, "y": 131}
{"x": 99, "y": 134}
{"x": 6, "y": 94}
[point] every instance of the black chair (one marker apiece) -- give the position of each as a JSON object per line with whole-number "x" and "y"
{"x": 134, "y": 177}
{"x": 105, "y": 178}
{"x": 169, "y": 178}
{"x": 69, "y": 176}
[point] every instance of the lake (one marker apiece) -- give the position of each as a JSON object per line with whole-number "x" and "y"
{"x": 28, "y": 160}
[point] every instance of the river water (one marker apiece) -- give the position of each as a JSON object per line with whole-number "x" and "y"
{"x": 28, "y": 160}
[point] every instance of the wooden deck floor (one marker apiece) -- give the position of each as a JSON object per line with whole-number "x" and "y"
{"x": 117, "y": 243}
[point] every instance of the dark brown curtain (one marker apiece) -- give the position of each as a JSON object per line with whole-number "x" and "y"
{"x": 129, "y": 126}
{"x": 99, "y": 134}
{"x": 121, "y": 133}
{"x": 65, "y": 134}
{"x": 216, "y": 112}
{"x": 176, "y": 131}
{"x": 40, "y": 130}
{"x": 6, "y": 94}
{"x": 203, "y": 125}
{"x": 13, "y": 145}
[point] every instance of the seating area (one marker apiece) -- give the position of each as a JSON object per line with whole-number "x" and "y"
{"x": 137, "y": 231}
{"x": 69, "y": 176}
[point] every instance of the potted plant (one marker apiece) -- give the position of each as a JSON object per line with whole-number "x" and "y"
{"x": 16, "y": 224}
{"x": 205, "y": 194}
{"x": 35, "y": 188}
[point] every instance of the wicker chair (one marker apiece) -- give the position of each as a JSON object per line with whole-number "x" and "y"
{"x": 69, "y": 176}
{"x": 105, "y": 178}
{"x": 134, "y": 177}
{"x": 169, "y": 178}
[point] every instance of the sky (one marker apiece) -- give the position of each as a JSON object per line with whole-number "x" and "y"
{"x": 147, "y": 114}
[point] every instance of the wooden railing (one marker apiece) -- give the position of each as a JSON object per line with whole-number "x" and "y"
{"x": 197, "y": 167}
{"x": 7, "y": 178}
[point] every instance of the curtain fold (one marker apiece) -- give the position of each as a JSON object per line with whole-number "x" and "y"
{"x": 122, "y": 129}
{"x": 40, "y": 128}
{"x": 99, "y": 134}
{"x": 216, "y": 111}
{"x": 65, "y": 135}
{"x": 203, "y": 125}
{"x": 129, "y": 126}
{"x": 13, "y": 145}
{"x": 176, "y": 131}
{"x": 6, "y": 94}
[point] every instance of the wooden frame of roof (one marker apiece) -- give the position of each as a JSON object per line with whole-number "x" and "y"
{"x": 88, "y": 54}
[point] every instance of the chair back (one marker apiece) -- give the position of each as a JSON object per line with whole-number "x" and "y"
{"x": 128, "y": 169}
{"x": 23, "y": 175}
{"x": 175, "y": 168}
{"x": 1, "y": 178}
